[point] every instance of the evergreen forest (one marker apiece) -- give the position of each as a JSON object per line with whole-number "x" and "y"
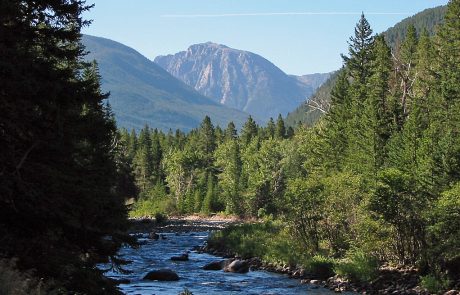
{"x": 375, "y": 180}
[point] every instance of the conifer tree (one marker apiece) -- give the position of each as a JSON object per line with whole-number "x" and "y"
{"x": 249, "y": 131}
{"x": 280, "y": 131}
{"x": 271, "y": 128}
{"x": 230, "y": 132}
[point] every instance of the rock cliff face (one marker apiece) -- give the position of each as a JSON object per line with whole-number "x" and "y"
{"x": 238, "y": 79}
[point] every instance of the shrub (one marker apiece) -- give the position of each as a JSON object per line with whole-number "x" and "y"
{"x": 357, "y": 266}
{"x": 320, "y": 266}
{"x": 434, "y": 284}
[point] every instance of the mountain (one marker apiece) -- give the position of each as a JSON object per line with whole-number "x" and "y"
{"x": 142, "y": 93}
{"x": 238, "y": 79}
{"x": 313, "y": 81}
{"x": 428, "y": 19}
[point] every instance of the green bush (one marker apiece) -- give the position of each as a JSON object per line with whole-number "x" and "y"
{"x": 357, "y": 266}
{"x": 320, "y": 266}
{"x": 434, "y": 284}
{"x": 152, "y": 202}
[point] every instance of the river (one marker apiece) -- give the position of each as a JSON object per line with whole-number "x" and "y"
{"x": 156, "y": 254}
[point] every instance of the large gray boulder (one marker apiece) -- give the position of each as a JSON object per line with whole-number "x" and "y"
{"x": 238, "y": 266}
{"x": 162, "y": 275}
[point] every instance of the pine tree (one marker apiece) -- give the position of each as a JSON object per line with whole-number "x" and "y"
{"x": 449, "y": 78}
{"x": 207, "y": 138}
{"x": 58, "y": 184}
{"x": 338, "y": 120}
{"x": 230, "y": 132}
{"x": 249, "y": 131}
{"x": 270, "y": 129}
{"x": 280, "y": 131}
{"x": 359, "y": 51}
{"x": 379, "y": 112}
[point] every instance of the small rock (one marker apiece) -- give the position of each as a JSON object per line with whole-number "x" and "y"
{"x": 337, "y": 290}
{"x": 215, "y": 265}
{"x": 154, "y": 236}
{"x": 451, "y": 292}
{"x": 162, "y": 275}
{"x": 182, "y": 257}
{"x": 315, "y": 282}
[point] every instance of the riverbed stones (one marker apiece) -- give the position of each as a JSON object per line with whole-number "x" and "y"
{"x": 182, "y": 257}
{"x": 215, "y": 265}
{"x": 162, "y": 275}
{"x": 237, "y": 266}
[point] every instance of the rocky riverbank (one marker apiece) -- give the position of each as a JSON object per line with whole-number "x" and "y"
{"x": 181, "y": 224}
{"x": 390, "y": 280}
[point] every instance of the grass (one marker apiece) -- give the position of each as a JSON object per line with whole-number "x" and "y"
{"x": 357, "y": 266}
{"x": 272, "y": 242}
{"x": 267, "y": 240}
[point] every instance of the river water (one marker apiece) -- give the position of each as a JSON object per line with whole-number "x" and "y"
{"x": 156, "y": 254}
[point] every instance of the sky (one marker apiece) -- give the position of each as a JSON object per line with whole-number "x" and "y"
{"x": 299, "y": 36}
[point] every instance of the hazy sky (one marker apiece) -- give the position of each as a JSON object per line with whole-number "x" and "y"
{"x": 299, "y": 36}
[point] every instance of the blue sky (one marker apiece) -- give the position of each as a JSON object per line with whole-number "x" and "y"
{"x": 299, "y": 36}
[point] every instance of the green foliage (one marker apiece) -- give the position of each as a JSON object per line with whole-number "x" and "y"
{"x": 153, "y": 202}
{"x": 268, "y": 240}
{"x": 434, "y": 284}
{"x": 445, "y": 229}
{"x": 358, "y": 266}
{"x": 320, "y": 266}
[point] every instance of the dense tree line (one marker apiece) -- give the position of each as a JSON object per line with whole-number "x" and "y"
{"x": 379, "y": 174}
{"x": 61, "y": 205}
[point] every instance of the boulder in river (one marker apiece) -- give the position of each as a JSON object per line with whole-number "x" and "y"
{"x": 215, "y": 265}
{"x": 182, "y": 257}
{"x": 162, "y": 275}
{"x": 154, "y": 236}
{"x": 238, "y": 266}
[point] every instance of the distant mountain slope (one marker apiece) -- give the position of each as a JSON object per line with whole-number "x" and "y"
{"x": 314, "y": 81}
{"x": 428, "y": 19}
{"x": 238, "y": 79}
{"x": 143, "y": 93}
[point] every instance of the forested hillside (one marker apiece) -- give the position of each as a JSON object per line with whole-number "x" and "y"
{"x": 428, "y": 20}
{"x": 376, "y": 180}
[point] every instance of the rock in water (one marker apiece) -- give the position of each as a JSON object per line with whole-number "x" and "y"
{"x": 162, "y": 275}
{"x": 154, "y": 236}
{"x": 182, "y": 257}
{"x": 238, "y": 266}
{"x": 215, "y": 265}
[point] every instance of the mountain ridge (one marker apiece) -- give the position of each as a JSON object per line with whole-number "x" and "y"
{"x": 237, "y": 78}
{"x": 144, "y": 93}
